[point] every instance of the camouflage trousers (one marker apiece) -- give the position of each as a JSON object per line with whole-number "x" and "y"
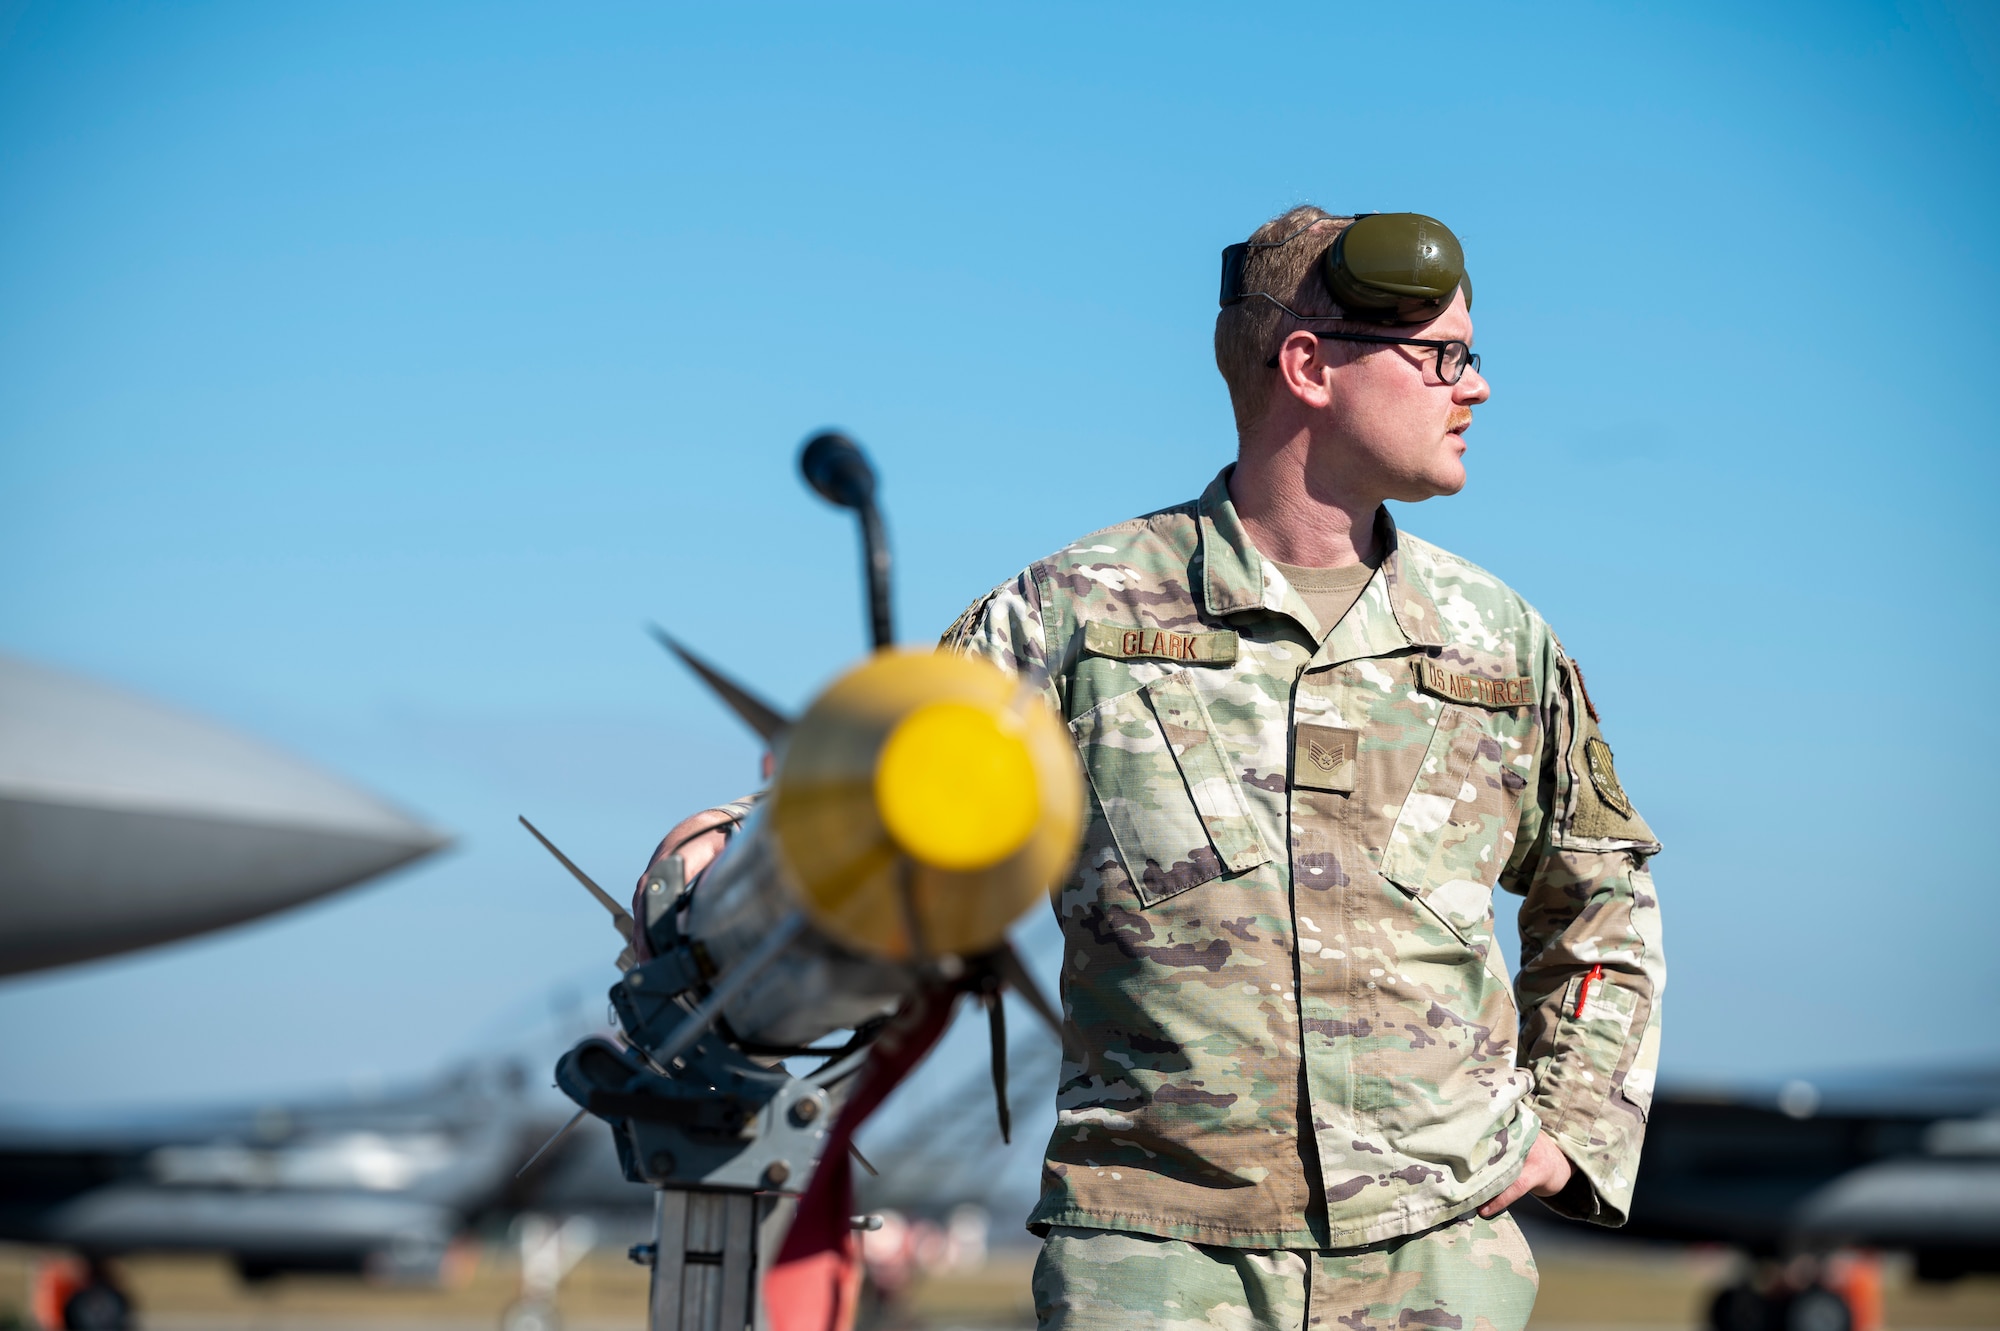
{"x": 1471, "y": 1274}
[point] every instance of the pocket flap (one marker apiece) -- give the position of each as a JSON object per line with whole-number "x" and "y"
{"x": 1418, "y": 854}
{"x": 1205, "y": 768}
{"x": 1162, "y": 780}
{"x": 1606, "y": 1002}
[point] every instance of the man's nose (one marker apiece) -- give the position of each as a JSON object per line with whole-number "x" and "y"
{"x": 1472, "y": 389}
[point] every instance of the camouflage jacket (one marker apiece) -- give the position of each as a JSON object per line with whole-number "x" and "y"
{"x": 1283, "y": 910}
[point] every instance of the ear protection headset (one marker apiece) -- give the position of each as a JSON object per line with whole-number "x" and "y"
{"x": 1383, "y": 268}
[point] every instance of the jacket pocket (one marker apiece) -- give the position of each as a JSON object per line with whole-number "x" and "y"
{"x": 1167, "y": 790}
{"x": 1449, "y": 827}
{"x": 1591, "y": 1048}
{"x": 1445, "y": 849}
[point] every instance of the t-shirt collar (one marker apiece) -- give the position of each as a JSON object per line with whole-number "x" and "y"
{"x": 1233, "y": 575}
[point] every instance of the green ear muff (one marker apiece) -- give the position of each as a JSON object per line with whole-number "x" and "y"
{"x": 1395, "y": 268}
{"x": 1383, "y": 268}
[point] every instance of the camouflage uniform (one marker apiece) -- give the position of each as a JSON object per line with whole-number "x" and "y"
{"x": 1473, "y": 1274}
{"x": 1283, "y": 911}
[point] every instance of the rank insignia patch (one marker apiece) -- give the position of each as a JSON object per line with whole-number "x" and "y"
{"x": 1325, "y": 758}
{"x": 1598, "y": 755}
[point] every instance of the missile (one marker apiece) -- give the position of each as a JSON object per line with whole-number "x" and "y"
{"x": 916, "y": 809}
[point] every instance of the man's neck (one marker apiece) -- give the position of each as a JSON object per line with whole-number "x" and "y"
{"x": 1296, "y": 519}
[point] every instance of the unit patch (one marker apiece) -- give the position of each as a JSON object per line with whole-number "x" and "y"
{"x": 954, "y": 637}
{"x": 1597, "y": 755}
{"x": 1134, "y": 642}
{"x": 1325, "y": 758}
{"x": 1475, "y": 690}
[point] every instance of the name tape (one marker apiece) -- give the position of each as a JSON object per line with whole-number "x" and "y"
{"x": 1130, "y": 642}
{"x": 1476, "y": 690}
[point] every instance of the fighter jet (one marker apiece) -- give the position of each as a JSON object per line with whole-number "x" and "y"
{"x": 382, "y": 1186}
{"x": 124, "y": 824}
{"x": 1888, "y": 1162}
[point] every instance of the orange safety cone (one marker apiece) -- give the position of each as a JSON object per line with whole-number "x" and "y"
{"x": 1857, "y": 1278}
{"x": 56, "y": 1280}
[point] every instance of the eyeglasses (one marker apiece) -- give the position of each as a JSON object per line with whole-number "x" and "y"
{"x": 1453, "y": 357}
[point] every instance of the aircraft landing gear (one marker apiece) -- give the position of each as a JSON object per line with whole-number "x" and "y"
{"x": 1739, "y": 1308}
{"x": 99, "y": 1306}
{"x": 1745, "y": 1307}
{"x": 1817, "y": 1308}
{"x": 78, "y": 1294}
{"x": 1807, "y": 1291}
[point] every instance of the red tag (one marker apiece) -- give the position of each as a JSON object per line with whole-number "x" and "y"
{"x": 1583, "y": 990}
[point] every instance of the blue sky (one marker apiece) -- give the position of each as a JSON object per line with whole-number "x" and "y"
{"x": 369, "y": 374}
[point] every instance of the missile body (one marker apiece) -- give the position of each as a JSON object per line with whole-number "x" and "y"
{"x": 818, "y": 985}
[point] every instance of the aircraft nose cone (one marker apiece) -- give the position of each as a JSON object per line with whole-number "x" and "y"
{"x": 124, "y": 823}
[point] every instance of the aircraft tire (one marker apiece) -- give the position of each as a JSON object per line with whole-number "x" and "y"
{"x": 1741, "y": 1308}
{"x": 1817, "y": 1308}
{"x": 98, "y": 1306}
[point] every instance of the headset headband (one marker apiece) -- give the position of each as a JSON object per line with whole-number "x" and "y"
{"x": 1383, "y": 268}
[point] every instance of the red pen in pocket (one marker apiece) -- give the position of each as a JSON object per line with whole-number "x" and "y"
{"x": 1583, "y": 990}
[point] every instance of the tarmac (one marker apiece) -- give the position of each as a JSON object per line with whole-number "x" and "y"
{"x": 1585, "y": 1286}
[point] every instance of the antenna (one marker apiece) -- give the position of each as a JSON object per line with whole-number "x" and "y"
{"x": 834, "y": 466}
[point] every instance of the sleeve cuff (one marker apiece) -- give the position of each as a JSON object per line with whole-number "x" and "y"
{"x": 1599, "y": 1191}
{"x": 1578, "y": 1200}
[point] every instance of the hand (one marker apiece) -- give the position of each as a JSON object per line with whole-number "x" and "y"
{"x": 697, "y": 840}
{"x": 697, "y": 848}
{"x": 1545, "y": 1173}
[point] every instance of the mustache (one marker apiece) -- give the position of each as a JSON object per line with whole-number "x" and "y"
{"x": 1461, "y": 417}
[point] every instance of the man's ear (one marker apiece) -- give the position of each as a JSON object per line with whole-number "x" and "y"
{"x": 1302, "y": 367}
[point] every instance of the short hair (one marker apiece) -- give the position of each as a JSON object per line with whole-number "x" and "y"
{"x": 1248, "y": 332}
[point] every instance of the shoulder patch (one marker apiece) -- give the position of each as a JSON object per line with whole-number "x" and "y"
{"x": 1597, "y": 757}
{"x": 1475, "y": 690}
{"x": 1135, "y": 641}
{"x": 954, "y": 637}
{"x": 1601, "y": 807}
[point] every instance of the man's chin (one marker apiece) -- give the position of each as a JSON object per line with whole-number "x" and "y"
{"x": 1445, "y": 481}
{"x": 1449, "y": 475}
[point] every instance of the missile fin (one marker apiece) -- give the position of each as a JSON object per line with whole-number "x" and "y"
{"x": 561, "y": 1133}
{"x": 620, "y": 917}
{"x": 996, "y": 1027}
{"x": 759, "y": 715}
{"x": 1008, "y": 965}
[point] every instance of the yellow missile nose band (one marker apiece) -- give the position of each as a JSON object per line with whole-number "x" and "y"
{"x": 956, "y": 786}
{"x": 922, "y": 804}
